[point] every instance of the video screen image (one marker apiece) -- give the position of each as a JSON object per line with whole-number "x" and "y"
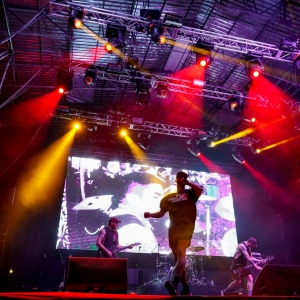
{"x": 96, "y": 190}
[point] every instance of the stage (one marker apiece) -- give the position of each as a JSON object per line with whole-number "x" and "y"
{"x": 73, "y": 295}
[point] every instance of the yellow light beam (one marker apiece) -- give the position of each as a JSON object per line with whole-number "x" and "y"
{"x": 235, "y": 136}
{"x": 44, "y": 175}
{"x": 279, "y": 143}
{"x": 135, "y": 149}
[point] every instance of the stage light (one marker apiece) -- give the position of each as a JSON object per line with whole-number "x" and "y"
{"x": 234, "y": 102}
{"x": 76, "y": 14}
{"x": 162, "y": 89}
{"x": 157, "y": 33}
{"x": 171, "y": 20}
{"x": 143, "y": 141}
{"x": 193, "y": 147}
{"x": 90, "y": 75}
{"x": 114, "y": 68}
{"x": 289, "y": 44}
{"x": 143, "y": 87}
{"x": 254, "y": 65}
{"x": 152, "y": 14}
{"x": 123, "y": 132}
{"x": 255, "y": 147}
{"x": 237, "y": 156}
{"x": 203, "y": 52}
{"x": 64, "y": 81}
{"x": 198, "y": 82}
{"x": 132, "y": 62}
{"x": 210, "y": 141}
{"x": 115, "y": 34}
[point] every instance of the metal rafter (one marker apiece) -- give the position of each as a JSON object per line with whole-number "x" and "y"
{"x": 191, "y": 35}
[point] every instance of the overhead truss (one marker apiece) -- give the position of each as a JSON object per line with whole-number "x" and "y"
{"x": 144, "y": 126}
{"x": 188, "y": 34}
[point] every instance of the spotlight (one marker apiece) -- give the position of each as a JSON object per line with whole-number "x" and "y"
{"x": 157, "y": 34}
{"x": 132, "y": 62}
{"x": 238, "y": 157}
{"x": 115, "y": 33}
{"x": 289, "y": 44}
{"x": 211, "y": 142}
{"x": 255, "y": 147}
{"x": 143, "y": 141}
{"x": 142, "y": 90}
{"x": 114, "y": 68}
{"x": 193, "y": 147}
{"x": 90, "y": 75}
{"x": 76, "y": 14}
{"x": 162, "y": 89}
{"x": 198, "y": 82}
{"x": 204, "y": 54}
{"x": 64, "y": 81}
{"x": 172, "y": 20}
{"x": 234, "y": 102}
{"x": 152, "y": 14}
{"x": 254, "y": 65}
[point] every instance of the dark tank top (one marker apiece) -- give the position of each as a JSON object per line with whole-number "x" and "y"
{"x": 109, "y": 241}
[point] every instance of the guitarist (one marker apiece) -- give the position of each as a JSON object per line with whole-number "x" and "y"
{"x": 108, "y": 238}
{"x": 243, "y": 257}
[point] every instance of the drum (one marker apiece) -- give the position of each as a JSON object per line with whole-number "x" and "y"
{"x": 189, "y": 273}
{"x": 190, "y": 261}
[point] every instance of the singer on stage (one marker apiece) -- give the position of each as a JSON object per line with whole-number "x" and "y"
{"x": 182, "y": 213}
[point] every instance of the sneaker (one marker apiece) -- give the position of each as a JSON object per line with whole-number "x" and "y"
{"x": 171, "y": 288}
{"x": 186, "y": 292}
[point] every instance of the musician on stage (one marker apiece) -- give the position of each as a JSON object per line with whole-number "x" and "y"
{"x": 181, "y": 206}
{"x": 241, "y": 259}
{"x": 108, "y": 238}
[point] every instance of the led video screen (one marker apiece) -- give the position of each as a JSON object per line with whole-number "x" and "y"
{"x": 96, "y": 190}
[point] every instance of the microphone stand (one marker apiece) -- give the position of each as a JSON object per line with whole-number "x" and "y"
{"x": 156, "y": 280}
{"x": 135, "y": 268}
{"x": 62, "y": 284}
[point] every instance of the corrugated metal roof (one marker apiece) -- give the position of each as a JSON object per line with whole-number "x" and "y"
{"x": 39, "y": 49}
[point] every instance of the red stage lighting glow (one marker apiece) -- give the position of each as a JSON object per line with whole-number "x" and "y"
{"x": 255, "y": 73}
{"x": 203, "y": 63}
{"x": 61, "y": 90}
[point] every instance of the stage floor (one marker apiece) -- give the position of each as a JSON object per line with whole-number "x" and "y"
{"x": 73, "y": 295}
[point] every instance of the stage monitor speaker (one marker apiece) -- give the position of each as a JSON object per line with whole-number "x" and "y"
{"x": 277, "y": 280}
{"x": 103, "y": 275}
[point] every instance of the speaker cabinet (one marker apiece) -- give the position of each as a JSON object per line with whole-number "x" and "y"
{"x": 278, "y": 280}
{"x": 103, "y": 275}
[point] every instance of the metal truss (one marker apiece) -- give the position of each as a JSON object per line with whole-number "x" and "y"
{"x": 105, "y": 153}
{"x": 128, "y": 76}
{"x": 145, "y": 126}
{"x": 188, "y": 34}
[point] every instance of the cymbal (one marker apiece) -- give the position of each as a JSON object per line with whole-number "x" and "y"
{"x": 196, "y": 248}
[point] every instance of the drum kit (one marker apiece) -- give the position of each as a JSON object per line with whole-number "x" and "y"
{"x": 166, "y": 272}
